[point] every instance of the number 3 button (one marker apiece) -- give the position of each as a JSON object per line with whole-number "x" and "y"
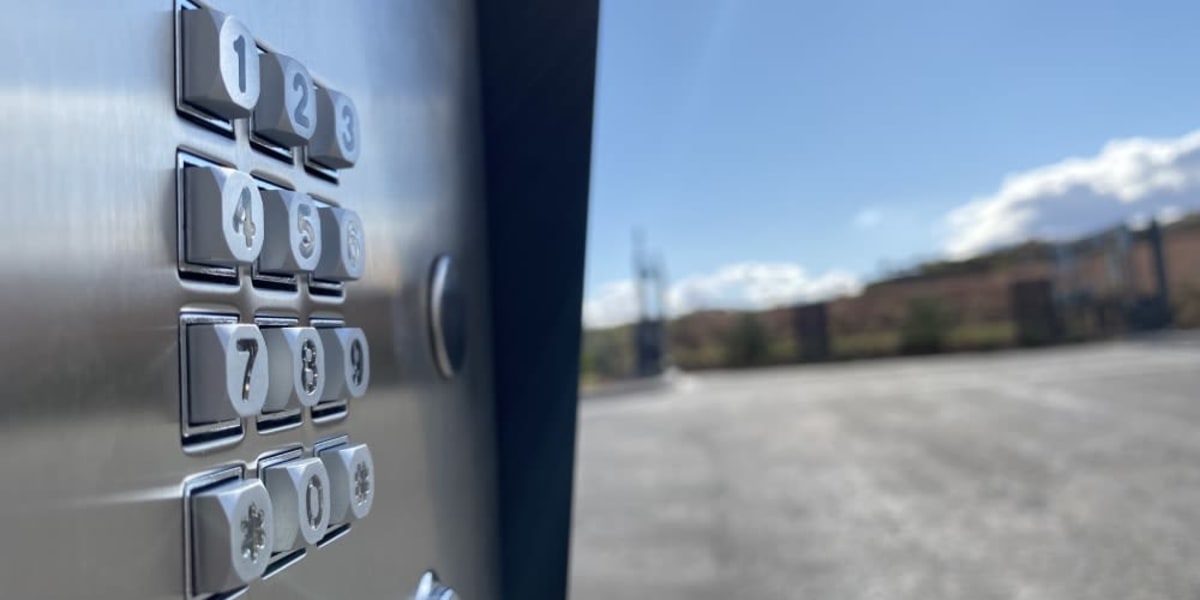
{"x": 336, "y": 142}
{"x": 224, "y": 217}
{"x": 286, "y": 112}
{"x": 220, "y": 64}
{"x": 227, "y": 372}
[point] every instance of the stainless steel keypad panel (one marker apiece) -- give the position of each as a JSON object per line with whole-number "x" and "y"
{"x": 152, "y": 141}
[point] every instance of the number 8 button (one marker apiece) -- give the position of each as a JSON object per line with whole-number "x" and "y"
{"x": 286, "y": 112}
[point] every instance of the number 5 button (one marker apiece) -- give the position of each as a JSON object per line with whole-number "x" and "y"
{"x": 286, "y": 112}
{"x": 224, "y": 216}
{"x": 336, "y": 143}
{"x": 220, "y": 64}
{"x": 293, "y": 241}
{"x": 227, "y": 372}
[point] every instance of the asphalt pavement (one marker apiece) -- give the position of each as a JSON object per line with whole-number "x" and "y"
{"x": 1069, "y": 473}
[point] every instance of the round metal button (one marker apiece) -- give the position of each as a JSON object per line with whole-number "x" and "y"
{"x": 447, "y": 317}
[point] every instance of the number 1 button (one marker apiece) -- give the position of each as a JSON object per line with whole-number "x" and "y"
{"x": 224, "y": 222}
{"x": 227, "y": 372}
{"x": 220, "y": 64}
{"x": 287, "y": 111}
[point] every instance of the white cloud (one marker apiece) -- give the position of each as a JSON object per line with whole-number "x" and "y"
{"x": 1079, "y": 195}
{"x": 868, "y": 218}
{"x": 750, "y": 285}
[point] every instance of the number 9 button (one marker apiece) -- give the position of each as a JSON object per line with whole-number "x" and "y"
{"x": 224, "y": 216}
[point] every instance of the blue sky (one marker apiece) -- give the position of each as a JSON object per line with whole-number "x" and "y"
{"x": 828, "y": 139}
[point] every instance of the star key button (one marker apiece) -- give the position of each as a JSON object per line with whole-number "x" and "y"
{"x": 232, "y": 531}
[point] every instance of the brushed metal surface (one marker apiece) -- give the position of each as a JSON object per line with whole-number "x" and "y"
{"x": 90, "y": 451}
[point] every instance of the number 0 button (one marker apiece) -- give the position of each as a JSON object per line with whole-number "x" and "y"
{"x": 224, "y": 223}
{"x": 293, "y": 238}
{"x": 300, "y": 495}
{"x": 336, "y": 143}
{"x": 287, "y": 111}
{"x": 347, "y": 362}
{"x": 220, "y": 64}
{"x": 227, "y": 372}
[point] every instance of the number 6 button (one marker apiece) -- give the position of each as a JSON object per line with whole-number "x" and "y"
{"x": 220, "y": 64}
{"x": 343, "y": 255}
{"x": 227, "y": 372}
{"x": 286, "y": 112}
{"x": 224, "y": 217}
{"x": 336, "y": 143}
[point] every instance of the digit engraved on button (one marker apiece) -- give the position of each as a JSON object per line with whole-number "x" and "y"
{"x": 250, "y": 347}
{"x": 243, "y": 217}
{"x": 305, "y": 214}
{"x": 314, "y": 507}
{"x": 310, "y": 376}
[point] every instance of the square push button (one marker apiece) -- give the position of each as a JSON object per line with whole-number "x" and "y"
{"x": 220, "y": 64}
{"x": 300, "y": 496}
{"x": 343, "y": 247}
{"x": 287, "y": 109}
{"x": 336, "y": 143}
{"x": 352, "y": 481}
{"x": 224, "y": 224}
{"x": 293, "y": 238}
{"x": 227, "y": 372}
{"x": 232, "y": 528}
{"x": 297, "y": 367}
{"x": 347, "y": 362}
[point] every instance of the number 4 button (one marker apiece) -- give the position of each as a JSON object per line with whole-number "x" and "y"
{"x": 227, "y": 372}
{"x": 224, "y": 222}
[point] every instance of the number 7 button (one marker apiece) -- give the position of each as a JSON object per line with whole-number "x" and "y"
{"x": 227, "y": 372}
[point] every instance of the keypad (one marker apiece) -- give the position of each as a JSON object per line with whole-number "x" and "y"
{"x": 262, "y": 222}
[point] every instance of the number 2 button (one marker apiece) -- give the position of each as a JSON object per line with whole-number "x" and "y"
{"x": 287, "y": 112}
{"x": 220, "y": 64}
{"x": 227, "y": 372}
